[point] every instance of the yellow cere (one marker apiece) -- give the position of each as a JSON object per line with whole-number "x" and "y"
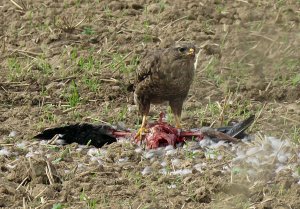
{"x": 191, "y": 51}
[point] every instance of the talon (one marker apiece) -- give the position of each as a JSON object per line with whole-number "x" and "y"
{"x": 140, "y": 133}
{"x": 142, "y": 130}
{"x": 177, "y": 121}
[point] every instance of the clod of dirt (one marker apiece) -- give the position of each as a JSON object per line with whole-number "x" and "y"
{"x": 234, "y": 188}
{"x": 47, "y": 191}
{"x": 116, "y": 5}
{"x": 257, "y": 80}
{"x": 35, "y": 171}
{"x": 202, "y": 195}
{"x": 213, "y": 49}
{"x": 137, "y": 6}
{"x": 154, "y": 8}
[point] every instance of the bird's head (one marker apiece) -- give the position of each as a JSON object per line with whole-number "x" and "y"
{"x": 184, "y": 50}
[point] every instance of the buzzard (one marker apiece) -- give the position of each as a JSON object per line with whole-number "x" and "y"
{"x": 164, "y": 75}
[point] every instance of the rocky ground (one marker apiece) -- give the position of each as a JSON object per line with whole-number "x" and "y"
{"x": 64, "y": 62}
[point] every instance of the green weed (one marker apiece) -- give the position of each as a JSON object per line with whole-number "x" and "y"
{"x": 88, "y": 63}
{"x": 88, "y": 30}
{"x": 211, "y": 71}
{"x": 58, "y": 206}
{"x": 14, "y": 68}
{"x": 43, "y": 66}
{"x": 90, "y": 203}
{"x": 91, "y": 83}
{"x": 73, "y": 97}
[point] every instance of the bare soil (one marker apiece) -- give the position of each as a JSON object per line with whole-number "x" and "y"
{"x": 64, "y": 62}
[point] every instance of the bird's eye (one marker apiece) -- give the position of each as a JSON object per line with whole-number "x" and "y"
{"x": 182, "y": 49}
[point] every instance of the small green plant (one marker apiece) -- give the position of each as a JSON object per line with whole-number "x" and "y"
{"x": 122, "y": 114}
{"x": 220, "y": 9}
{"x": 170, "y": 116}
{"x": 64, "y": 153}
{"x": 296, "y": 80}
{"x": 88, "y": 63}
{"x": 108, "y": 12}
{"x": 78, "y": 2}
{"x": 91, "y": 203}
{"x": 210, "y": 71}
{"x": 147, "y": 34}
{"x": 14, "y": 68}
{"x": 43, "y": 66}
{"x": 74, "y": 54}
{"x": 88, "y": 31}
{"x": 58, "y": 206}
{"x": 296, "y": 135}
{"x": 48, "y": 115}
{"x": 73, "y": 97}
{"x": 208, "y": 26}
{"x": 298, "y": 170}
{"x": 236, "y": 170}
{"x": 190, "y": 154}
{"x": 91, "y": 83}
{"x": 162, "y": 5}
{"x": 291, "y": 64}
{"x": 280, "y": 3}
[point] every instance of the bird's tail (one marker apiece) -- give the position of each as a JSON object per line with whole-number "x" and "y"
{"x": 237, "y": 130}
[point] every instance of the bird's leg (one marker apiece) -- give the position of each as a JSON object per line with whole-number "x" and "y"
{"x": 176, "y": 107}
{"x": 177, "y": 121}
{"x": 142, "y": 129}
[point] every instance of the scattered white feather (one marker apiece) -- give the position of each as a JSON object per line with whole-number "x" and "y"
{"x": 169, "y": 147}
{"x": 253, "y": 151}
{"x": 282, "y": 158}
{"x": 149, "y": 155}
{"x": 60, "y": 142}
{"x": 12, "y": 134}
{"x": 79, "y": 149}
{"x": 199, "y": 167}
{"x": 147, "y": 170}
{"x": 172, "y": 186}
{"x": 123, "y": 140}
{"x": 5, "y": 152}
{"x": 163, "y": 171}
{"x": 176, "y": 162}
{"x": 92, "y": 152}
{"x": 219, "y": 144}
{"x": 43, "y": 142}
{"x": 96, "y": 159}
{"x": 220, "y": 157}
{"x": 267, "y": 153}
{"x": 210, "y": 154}
{"x": 181, "y": 172}
{"x": 80, "y": 165}
{"x": 171, "y": 152}
{"x": 29, "y": 154}
{"x": 280, "y": 168}
{"x": 138, "y": 150}
{"x": 123, "y": 160}
{"x": 21, "y": 145}
{"x": 206, "y": 142}
{"x": 163, "y": 163}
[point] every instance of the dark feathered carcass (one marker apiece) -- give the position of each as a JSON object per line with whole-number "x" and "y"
{"x": 159, "y": 134}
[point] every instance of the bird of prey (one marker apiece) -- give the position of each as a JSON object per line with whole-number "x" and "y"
{"x": 164, "y": 75}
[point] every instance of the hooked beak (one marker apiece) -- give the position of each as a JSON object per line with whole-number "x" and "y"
{"x": 191, "y": 51}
